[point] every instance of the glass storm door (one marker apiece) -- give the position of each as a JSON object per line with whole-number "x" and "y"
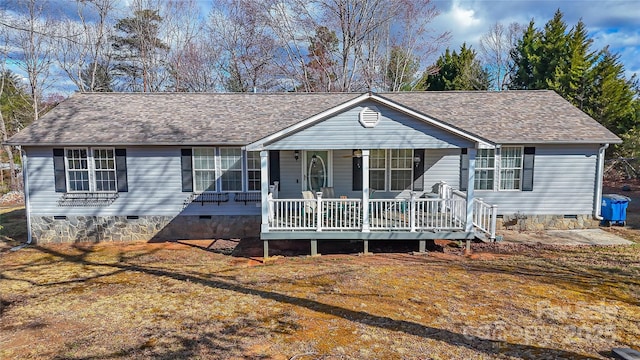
{"x": 316, "y": 170}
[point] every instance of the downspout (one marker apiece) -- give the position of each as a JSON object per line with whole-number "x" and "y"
{"x": 27, "y": 205}
{"x": 599, "y": 179}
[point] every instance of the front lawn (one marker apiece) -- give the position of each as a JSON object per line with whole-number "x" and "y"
{"x": 180, "y": 301}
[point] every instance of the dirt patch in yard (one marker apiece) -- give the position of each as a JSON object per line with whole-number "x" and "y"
{"x": 179, "y": 300}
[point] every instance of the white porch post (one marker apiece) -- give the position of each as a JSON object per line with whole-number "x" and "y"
{"x": 365, "y": 190}
{"x": 471, "y": 152}
{"x": 264, "y": 189}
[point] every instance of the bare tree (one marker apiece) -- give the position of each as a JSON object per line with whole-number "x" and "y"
{"x": 82, "y": 45}
{"x": 245, "y": 46}
{"x": 366, "y": 32}
{"x": 31, "y": 35}
{"x": 495, "y": 49}
{"x": 181, "y": 30}
{"x": 3, "y": 128}
{"x": 410, "y": 42}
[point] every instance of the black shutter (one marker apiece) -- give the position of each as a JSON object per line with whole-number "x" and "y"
{"x": 187, "y": 174}
{"x": 121, "y": 170}
{"x": 274, "y": 167}
{"x": 356, "y": 174}
{"x": 464, "y": 169}
{"x": 527, "y": 168}
{"x": 418, "y": 170}
{"x": 58, "y": 170}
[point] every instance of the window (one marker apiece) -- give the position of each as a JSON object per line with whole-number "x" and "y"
{"x": 105, "y": 169}
{"x": 204, "y": 169}
{"x": 77, "y": 169}
{"x": 401, "y": 169}
{"x": 219, "y": 169}
{"x": 377, "y": 169}
{"x": 231, "y": 169}
{"x": 485, "y": 169}
{"x": 510, "y": 168}
{"x": 253, "y": 171}
{"x": 91, "y": 171}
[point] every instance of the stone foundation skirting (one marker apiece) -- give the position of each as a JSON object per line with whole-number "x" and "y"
{"x": 47, "y": 229}
{"x": 522, "y": 222}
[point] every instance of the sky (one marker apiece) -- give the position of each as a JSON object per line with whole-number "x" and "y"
{"x": 609, "y": 22}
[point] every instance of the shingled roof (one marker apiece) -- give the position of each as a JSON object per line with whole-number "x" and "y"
{"x": 239, "y": 119}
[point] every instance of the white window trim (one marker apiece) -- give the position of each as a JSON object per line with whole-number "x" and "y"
{"x": 388, "y": 169}
{"x": 400, "y": 169}
{"x": 218, "y": 169}
{"x": 91, "y": 169}
{"x": 387, "y": 173}
{"x": 499, "y": 168}
{"x": 497, "y": 171}
{"x": 215, "y": 169}
{"x": 246, "y": 169}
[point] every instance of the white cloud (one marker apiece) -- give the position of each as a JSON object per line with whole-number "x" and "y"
{"x": 610, "y": 22}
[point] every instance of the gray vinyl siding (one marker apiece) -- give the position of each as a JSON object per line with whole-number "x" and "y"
{"x": 441, "y": 165}
{"x": 155, "y": 188}
{"x": 564, "y": 184}
{"x": 395, "y": 130}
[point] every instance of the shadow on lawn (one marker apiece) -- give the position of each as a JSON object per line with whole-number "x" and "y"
{"x": 489, "y": 347}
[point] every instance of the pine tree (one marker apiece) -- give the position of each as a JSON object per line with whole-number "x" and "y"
{"x": 138, "y": 50}
{"x": 573, "y": 78}
{"x": 612, "y": 101}
{"x": 461, "y": 71}
{"x": 526, "y": 57}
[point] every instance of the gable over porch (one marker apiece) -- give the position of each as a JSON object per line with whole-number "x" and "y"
{"x": 379, "y": 162}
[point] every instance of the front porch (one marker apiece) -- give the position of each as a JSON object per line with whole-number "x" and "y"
{"x": 390, "y": 168}
{"x": 430, "y": 216}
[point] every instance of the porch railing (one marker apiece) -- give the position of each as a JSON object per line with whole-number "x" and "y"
{"x": 447, "y": 212}
{"x": 384, "y": 214}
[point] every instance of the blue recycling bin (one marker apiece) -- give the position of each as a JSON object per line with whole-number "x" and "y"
{"x": 614, "y": 209}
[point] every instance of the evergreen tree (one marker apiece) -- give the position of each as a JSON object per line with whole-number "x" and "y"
{"x": 554, "y": 53}
{"x": 612, "y": 99}
{"x": 138, "y": 50}
{"x": 102, "y": 79}
{"x": 564, "y": 62}
{"x": 526, "y": 57}
{"x": 457, "y": 71}
{"x": 573, "y": 78}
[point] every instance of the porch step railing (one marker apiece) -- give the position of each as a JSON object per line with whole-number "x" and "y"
{"x": 484, "y": 215}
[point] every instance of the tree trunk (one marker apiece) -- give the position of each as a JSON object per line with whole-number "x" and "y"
{"x": 12, "y": 166}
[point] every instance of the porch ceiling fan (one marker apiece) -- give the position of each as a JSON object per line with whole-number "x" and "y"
{"x": 354, "y": 154}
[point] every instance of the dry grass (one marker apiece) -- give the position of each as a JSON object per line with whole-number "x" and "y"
{"x": 176, "y": 301}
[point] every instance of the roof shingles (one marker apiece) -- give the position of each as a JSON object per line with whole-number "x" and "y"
{"x": 235, "y": 119}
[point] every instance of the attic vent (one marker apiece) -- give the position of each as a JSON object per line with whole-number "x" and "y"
{"x": 369, "y": 117}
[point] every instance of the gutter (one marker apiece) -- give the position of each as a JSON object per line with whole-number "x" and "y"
{"x": 599, "y": 180}
{"x": 27, "y": 205}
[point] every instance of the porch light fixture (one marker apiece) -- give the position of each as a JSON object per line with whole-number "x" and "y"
{"x": 296, "y": 155}
{"x": 416, "y": 160}
{"x": 357, "y": 153}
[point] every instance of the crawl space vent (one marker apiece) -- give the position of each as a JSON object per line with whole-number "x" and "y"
{"x": 369, "y": 117}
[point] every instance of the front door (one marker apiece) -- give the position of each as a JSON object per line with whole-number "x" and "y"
{"x": 317, "y": 172}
